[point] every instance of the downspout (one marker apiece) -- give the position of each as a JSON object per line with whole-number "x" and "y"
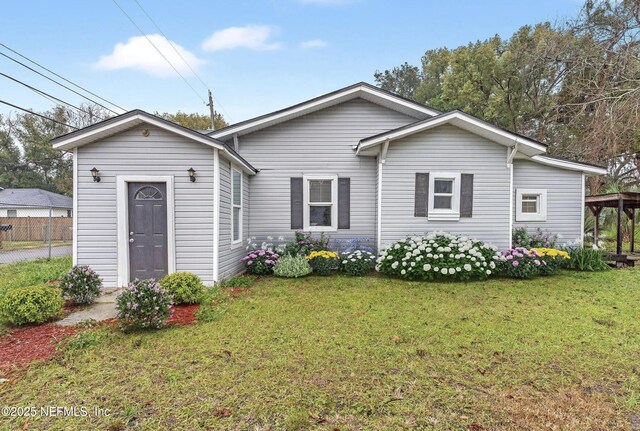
{"x": 74, "y": 246}
{"x": 381, "y": 160}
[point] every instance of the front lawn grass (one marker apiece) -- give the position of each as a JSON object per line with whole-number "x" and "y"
{"x": 367, "y": 353}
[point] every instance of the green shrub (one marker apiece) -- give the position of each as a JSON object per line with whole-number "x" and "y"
{"x": 185, "y": 287}
{"x": 81, "y": 284}
{"x": 304, "y": 243}
{"x": 587, "y": 259}
{"x": 358, "y": 262}
{"x": 292, "y": 267}
{"x": 30, "y": 304}
{"x": 438, "y": 255}
{"x": 324, "y": 262}
{"x": 144, "y": 304}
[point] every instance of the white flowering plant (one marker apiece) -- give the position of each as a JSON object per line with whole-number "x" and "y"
{"x": 439, "y": 255}
{"x": 357, "y": 262}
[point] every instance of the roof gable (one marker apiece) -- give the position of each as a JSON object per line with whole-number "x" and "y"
{"x": 131, "y": 119}
{"x": 459, "y": 119}
{"x": 359, "y": 90}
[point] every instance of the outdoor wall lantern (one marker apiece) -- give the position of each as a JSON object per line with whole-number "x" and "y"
{"x": 192, "y": 175}
{"x": 94, "y": 174}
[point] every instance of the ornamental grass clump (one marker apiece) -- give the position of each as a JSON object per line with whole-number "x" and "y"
{"x": 588, "y": 259}
{"x": 522, "y": 263}
{"x": 554, "y": 259}
{"x": 324, "y": 262}
{"x": 81, "y": 284}
{"x": 438, "y": 255}
{"x": 292, "y": 267}
{"x": 144, "y": 304}
{"x": 358, "y": 262}
{"x": 260, "y": 262}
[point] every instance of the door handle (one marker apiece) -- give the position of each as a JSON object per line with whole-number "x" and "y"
{"x": 130, "y": 239}
{"x": 130, "y": 233}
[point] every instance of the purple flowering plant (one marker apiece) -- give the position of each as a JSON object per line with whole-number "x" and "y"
{"x": 143, "y": 304}
{"x": 81, "y": 284}
{"x": 260, "y": 261}
{"x": 519, "y": 262}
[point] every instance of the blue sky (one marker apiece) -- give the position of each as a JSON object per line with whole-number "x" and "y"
{"x": 255, "y": 56}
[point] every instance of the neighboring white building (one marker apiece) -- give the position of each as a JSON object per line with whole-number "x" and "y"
{"x": 31, "y": 202}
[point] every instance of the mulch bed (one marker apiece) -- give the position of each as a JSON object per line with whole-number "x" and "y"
{"x": 183, "y": 315}
{"x": 22, "y": 346}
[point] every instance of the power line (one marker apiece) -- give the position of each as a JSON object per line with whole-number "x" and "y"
{"x": 159, "y": 52}
{"x": 62, "y": 77}
{"x": 204, "y": 84}
{"x": 172, "y": 45}
{"x": 53, "y": 80}
{"x": 49, "y": 96}
{"x": 37, "y": 114}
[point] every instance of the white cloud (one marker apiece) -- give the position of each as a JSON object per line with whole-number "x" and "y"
{"x": 137, "y": 53}
{"x": 314, "y": 43}
{"x": 254, "y": 37}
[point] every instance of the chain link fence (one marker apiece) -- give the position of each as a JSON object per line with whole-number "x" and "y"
{"x": 34, "y": 232}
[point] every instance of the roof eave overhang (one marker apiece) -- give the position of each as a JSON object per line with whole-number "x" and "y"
{"x": 571, "y": 165}
{"x": 129, "y": 121}
{"x": 363, "y": 91}
{"x": 367, "y": 147}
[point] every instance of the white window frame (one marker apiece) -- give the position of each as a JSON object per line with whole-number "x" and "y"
{"x": 241, "y": 206}
{"x": 452, "y": 214}
{"x": 541, "y": 214}
{"x": 333, "y": 203}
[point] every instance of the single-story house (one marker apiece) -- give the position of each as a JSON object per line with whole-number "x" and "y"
{"x": 32, "y": 202}
{"x": 152, "y": 197}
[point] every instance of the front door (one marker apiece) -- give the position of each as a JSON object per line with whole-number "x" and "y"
{"x": 147, "y": 230}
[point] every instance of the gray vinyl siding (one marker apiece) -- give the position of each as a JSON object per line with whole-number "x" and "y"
{"x": 446, "y": 149}
{"x": 564, "y": 198}
{"x": 230, "y": 254}
{"x": 318, "y": 143}
{"x": 161, "y": 154}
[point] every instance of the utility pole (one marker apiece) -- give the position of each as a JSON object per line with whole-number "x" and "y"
{"x": 213, "y": 113}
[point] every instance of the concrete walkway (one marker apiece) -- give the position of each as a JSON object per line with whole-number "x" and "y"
{"x": 34, "y": 253}
{"x": 104, "y": 308}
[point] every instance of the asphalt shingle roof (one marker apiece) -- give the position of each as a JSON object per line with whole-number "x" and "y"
{"x": 33, "y": 197}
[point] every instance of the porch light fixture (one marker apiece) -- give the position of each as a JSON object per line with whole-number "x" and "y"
{"x": 192, "y": 175}
{"x": 94, "y": 174}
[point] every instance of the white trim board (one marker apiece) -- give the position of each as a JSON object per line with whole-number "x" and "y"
{"x": 122, "y": 211}
{"x": 74, "y": 246}
{"x": 567, "y": 164}
{"x": 216, "y": 215}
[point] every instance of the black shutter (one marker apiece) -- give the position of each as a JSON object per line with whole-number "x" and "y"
{"x": 421, "y": 195}
{"x": 344, "y": 203}
{"x": 296, "y": 203}
{"x": 466, "y": 195}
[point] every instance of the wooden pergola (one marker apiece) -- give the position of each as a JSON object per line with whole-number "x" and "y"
{"x": 626, "y": 203}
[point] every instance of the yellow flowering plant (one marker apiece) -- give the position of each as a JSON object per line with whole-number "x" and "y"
{"x": 553, "y": 258}
{"x": 324, "y": 262}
